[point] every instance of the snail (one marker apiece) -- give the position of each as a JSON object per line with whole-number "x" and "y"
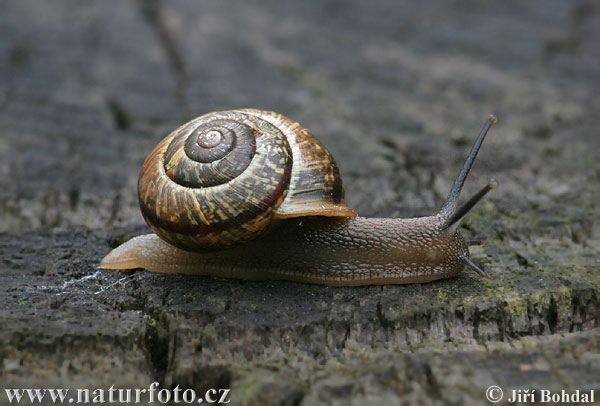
{"x": 254, "y": 195}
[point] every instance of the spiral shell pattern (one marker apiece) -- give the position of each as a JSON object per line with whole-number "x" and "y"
{"x": 222, "y": 178}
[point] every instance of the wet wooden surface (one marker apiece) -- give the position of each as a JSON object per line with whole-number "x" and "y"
{"x": 397, "y": 92}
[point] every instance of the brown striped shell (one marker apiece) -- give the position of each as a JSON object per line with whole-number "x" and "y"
{"x": 222, "y": 178}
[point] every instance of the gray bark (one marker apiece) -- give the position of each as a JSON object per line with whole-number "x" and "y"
{"x": 397, "y": 91}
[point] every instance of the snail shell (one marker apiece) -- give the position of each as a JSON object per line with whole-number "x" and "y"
{"x": 222, "y": 178}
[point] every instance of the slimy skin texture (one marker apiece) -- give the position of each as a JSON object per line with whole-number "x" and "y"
{"x": 328, "y": 251}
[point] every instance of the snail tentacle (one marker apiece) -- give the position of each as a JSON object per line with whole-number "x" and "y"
{"x": 449, "y": 207}
{"x": 460, "y": 213}
{"x": 467, "y": 261}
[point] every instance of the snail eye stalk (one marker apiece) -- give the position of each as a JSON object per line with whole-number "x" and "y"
{"x": 465, "y": 208}
{"x": 449, "y": 209}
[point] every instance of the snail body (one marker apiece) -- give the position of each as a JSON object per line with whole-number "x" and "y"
{"x": 251, "y": 194}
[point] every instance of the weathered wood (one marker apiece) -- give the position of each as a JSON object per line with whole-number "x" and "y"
{"x": 396, "y": 92}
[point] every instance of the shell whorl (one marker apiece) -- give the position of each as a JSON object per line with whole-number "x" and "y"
{"x": 221, "y": 179}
